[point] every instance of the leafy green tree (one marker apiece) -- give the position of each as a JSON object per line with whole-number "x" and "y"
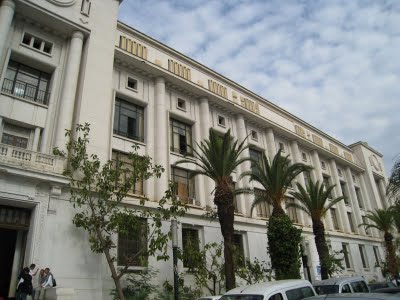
{"x": 276, "y": 177}
{"x": 382, "y": 219}
{"x": 255, "y": 271}
{"x": 217, "y": 158}
{"x": 314, "y": 201}
{"x": 98, "y": 192}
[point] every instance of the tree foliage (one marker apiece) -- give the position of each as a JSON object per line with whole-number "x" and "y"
{"x": 393, "y": 188}
{"x": 98, "y": 192}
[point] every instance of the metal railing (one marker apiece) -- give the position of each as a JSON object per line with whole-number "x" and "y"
{"x": 25, "y": 90}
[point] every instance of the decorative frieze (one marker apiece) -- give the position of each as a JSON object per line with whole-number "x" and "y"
{"x": 334, "y": 149}
{"x": 217, "y": 88}
{"x": 133, "y": 47}
{"x": 317, "y": 140}
{"x": 348, "y": 156}
{"x": 250, "y": 105}
{"x": 179, "y": 69}
{"x": 300, "y": 131}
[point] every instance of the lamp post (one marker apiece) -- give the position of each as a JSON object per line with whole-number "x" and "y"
{"x": 174, "y": 232}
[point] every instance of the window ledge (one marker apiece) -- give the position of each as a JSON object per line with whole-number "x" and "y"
{"x": 36, "y": 50}
{"x": 131, "y": 89}
{"x": 24, "y": 99}
{"x": 129, "y": 140}
{"x": 190, "y": 157}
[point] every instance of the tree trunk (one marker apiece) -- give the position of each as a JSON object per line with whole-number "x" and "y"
{"x": 226, "y": 213}
{"x": 278, "y": 211}
{"x": 390, "y": 254}
{"x": 322, "y": 248}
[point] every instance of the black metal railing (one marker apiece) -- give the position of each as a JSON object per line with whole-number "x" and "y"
{"x": 25, "y": 90}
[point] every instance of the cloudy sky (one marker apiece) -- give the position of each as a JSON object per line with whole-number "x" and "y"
{"x": 335, "y": 64}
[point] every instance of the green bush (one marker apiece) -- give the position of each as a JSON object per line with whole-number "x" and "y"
{"x": 283, "y": 247}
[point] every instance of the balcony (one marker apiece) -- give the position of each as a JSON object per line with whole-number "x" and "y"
{"x": 27, "y": 159}
{"x": 25, "y": 90}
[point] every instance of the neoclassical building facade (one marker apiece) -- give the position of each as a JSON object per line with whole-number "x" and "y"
{"x": 65, "y": 62}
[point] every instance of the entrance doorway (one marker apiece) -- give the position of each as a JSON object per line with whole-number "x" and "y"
{"x": 14, "y": 226}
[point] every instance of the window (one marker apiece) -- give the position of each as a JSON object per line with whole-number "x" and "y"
{"x": 26, "y": 82}
{"x": 340, "y": 172}
{"x": 347, "y": 256}
{"x": 307, "y": 178}
{"x": 346, "y": 289}
{"x": 181, "y": 104}
{"x": 256, "y": 157}
{"x": 190, "y": 244}
{"x": 304, "y": 156}
{"x": 363, "y": 256}
{"x": 132, "y": 83}
{"x": 263, "y": 208}
{"x": 13, "y": 140}
{"x": 184, "y": 185}
{"x": 334, "y": 219}
{"x": 326, "y": 184}
{"x": 365, "y": 220}
{"x": 239, "y": 248}
{"x": 85, "y": 7}
{"x": 275, "y": 297}
{"x": 221, "y": 121}
{"x": 344, "y": 192}
{"x": 282, "y": 147}
{"x": 181, "y": 137}
{"x": 132, "y": 244}
{"x": 254, "y": 135}
{"x": 354, "y": 178}
{"x": 323, "y": 165}
{"x": 350, "y": 217}
{"x": 359, "y": 287}
{"x": 128, "y": 120}
{"x": 377, "y": 256}
{"x": 121, "y": 160}
{"x": 299, "y": 293}
{"x": 37, "y": 43}
{"x": 291, "y": 211}
{"x": 359, "y": 197}
{"x": 15, "y": 136}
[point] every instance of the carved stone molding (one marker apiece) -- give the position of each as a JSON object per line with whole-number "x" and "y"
{"x": 62, "y": 2}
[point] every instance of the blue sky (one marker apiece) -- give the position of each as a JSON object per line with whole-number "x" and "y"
{"x": 335, "y": 64}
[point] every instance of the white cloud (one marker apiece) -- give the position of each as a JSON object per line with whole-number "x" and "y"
{"x": 332, "y": 63}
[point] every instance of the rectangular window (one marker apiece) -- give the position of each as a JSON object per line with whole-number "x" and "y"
{"x": 37, "y": 43}
{"x": 221, "y": 121}
{"x": 254, "y": 135}
{"x": 256, "y": 157}
{"x": 127, "y": 171}
{"x": 181, "y": 104}
{"x": 344, "y": 192}
{"x": 377, "y": 256}
{"x": 26, "y": 82}
{"x": 350, "y": 217}
{"x": 334, "y": 219}
{"x": 132, "y": 83}
{"x": 326, "y": 184}
{"x": 13, "y": 140}
{"x": 282, "y": 147}
{"x": 264, "y": 209}
{"x": 16, "y": 136}
{"x": 239, "y": 248}
{"x": 347, "y": 255}
{"x": 128, "y": 120}
{"x": 363, "y": 256}
{"x": 323, "y": 165}
{"x": 304, "y": 156}
{"x": 190, "y": 243}
{"x": 184, "y": 185}
{"x": 181, "y": 137}
{"x": 359, "y": 198}
{"x": 365, "y": 220}
{"x": 132, "y": 246}
{"x": 291, "y": 211}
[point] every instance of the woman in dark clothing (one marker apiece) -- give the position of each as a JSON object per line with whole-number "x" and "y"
{"x": 25, "y": 286}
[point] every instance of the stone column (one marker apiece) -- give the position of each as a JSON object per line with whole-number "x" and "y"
{"x": 36, "y": 139}
{"x": 150, "y": 141}
{"x": 353, "y": 200}
{"x": 7, "y": 10}
{"x": 199, "y": 179}
{"x": 244, "y": 201}
{"x": 161, "y": 151}
{"x": 303, "y": 218}
{"x": 367, "y": 201}
{"x": 67, "y": 99}
{"x": 317, "y": 174}
{"x": 342, "y": 210}
{"x": 382, "y": 192}
{"x": 271, "y": 143}
{"x": 205, "y": 124}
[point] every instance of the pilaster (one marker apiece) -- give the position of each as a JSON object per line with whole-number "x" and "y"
{"x": 7, "y": 9}
{"x": 271, "y": 143}
{"x": 353, "y": 200}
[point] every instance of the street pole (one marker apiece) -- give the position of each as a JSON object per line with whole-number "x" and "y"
{"x": 174, "y": 232}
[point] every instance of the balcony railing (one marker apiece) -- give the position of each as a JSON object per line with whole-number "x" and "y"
{"x": 25, "y": 90}
{"x": 31, "y": 159}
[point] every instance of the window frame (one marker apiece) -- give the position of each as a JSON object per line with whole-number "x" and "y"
{"x": 262, "y": 206}
{"x": 351, "y": 221}
{"x": 347, "y": 256}
{"x": 363, "y": 256}
{"x": 191, "y": 230}
{"x": 190, "y": 184}
{"x": 335, "y": 220}
{"x": 119, "y": 154}
{"x": 137, "y": 112}
{"x": 176, "y": 128}
{"x": 256, "y": 155}
{"x": 238, "y": 242}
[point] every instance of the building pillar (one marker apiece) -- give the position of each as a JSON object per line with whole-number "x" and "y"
{"x": 209, "y": 184}
{"x": 36, "y": 139}
{"x": 342, "y": 210}
{"x": 67, "y": 99}
{"x": 382, "y": 192}
{"x": 271, "y": 144}
{"x": 243, "y": 199}
{"x": 367, "y": 201}
{"x": 303, "y": 219}
{"x": 353, "y": 200}
{"x": 317, "y": 174}
{"x": 161, "y": 151}
{"x": 7, "y": 10}
{"x": 199, "y": 179}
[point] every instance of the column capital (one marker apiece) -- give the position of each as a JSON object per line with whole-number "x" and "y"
{"x": 159, "y": 79}
{"x": 77, "y": 35}
{"x": 9, "y": 3}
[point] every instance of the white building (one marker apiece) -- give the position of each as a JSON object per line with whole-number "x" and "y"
{"x": 64, "y": 62}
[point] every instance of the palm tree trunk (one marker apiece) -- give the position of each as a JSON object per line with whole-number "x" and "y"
{"x": 390, "y": 254}
{"x": 278, "y": 211}
{"x": 226, "y": 213}
{"x": 322, "y": 248}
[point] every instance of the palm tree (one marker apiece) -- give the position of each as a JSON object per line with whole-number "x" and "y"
{"x": 382, "y": 219}
{"x": 276, "y": 177}
{"x": 314, "y": 202}
{"x": 217, "y": 158}
{"x": 393, "y": 188}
